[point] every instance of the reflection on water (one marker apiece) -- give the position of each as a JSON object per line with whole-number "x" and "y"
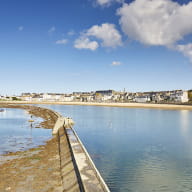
{"x": 184, "y": 121}
{"x": 137, "y": 150}
{"x": 186, "y": 130}
{"x": 17, "y": 134}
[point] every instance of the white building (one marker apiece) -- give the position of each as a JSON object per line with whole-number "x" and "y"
{"x": 51, "y": 97}
{"x": 106, "y": 97}
{"x": 182, "y": 96}
{"x": 142, "y": 99}
{"x": 67, "y": 98}
{"x": 26, "y": 98}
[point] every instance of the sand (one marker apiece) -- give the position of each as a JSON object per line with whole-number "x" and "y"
{"x": 34, "y": 170}
{"x": 128, "y": 105}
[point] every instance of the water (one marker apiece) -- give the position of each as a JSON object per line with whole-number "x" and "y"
{"x": 17, "y": 134}
{"x": 137, "y": 150}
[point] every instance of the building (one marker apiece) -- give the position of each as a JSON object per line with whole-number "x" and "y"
{"x": 142, "y": 99}
{"x": 182, "y": 96}
{"x": 179, "y": 96}
{"x": 105, "y": 92}
{"x": 67, "y": 98}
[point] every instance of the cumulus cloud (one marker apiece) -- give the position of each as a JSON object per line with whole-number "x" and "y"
{"x": 156, "y": 22}
{"x": 116, "y": 63}
{"x": 107, "y": 2}
{"x": 107, "y": 33}
{"x": 103, "y": 2}
{"x": 186, "y": 50}
{"x": 85, "y": 43}
{"x": 20, "y": 28}
{"x": 61, "y": 41}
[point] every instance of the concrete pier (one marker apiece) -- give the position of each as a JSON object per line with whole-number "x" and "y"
{"x": 78, "y": 171}
{"x": 90, "y": 176}
{"x": 69, "y": 176}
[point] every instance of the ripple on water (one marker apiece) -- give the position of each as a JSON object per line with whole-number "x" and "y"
{"x": 17, "y": 134}
{"x": 142, "y": 150}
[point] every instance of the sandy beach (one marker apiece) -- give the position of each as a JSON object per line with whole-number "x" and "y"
{"x": 128, "y": 105}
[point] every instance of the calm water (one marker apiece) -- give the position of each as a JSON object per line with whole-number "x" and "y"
{"x": 137, "y": 150}
{"x": 17, "y": 134}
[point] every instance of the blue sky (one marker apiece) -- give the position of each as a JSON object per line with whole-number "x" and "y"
{"x": 85, "y": 45}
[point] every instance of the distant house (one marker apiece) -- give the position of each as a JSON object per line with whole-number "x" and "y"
{"x": 157, "y": 97}
{"x": 182, "y": 96}
{"x": 26, "y": 98}
{"x": 179, "y": 96}
{"x": 105, "y": 92}
{"x": 5, "y": 98}
{"x": 142, "y": 99}
{"x": 129, "y": 97}
{"x": 87, "y": 98}
{"x": 52, "y": 96}
{"x": 190, "y": 95}
{"x": 47, "y": 96}
{"x": 104, "y": 95}
{"x": 37, "y": 98}
{"x": 67, "y": 98}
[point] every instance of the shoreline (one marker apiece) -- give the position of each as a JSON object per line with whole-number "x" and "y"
{"x": 35, "y": 169}
{"x": 125, "y": 105}
{"x": 49, "y": 119}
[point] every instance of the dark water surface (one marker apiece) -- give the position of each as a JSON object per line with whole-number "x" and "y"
{"x": 137, "y": 150}
{"x": 17, "y": 134}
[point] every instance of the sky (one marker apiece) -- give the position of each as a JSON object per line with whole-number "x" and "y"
{"x": 63, "y": 46}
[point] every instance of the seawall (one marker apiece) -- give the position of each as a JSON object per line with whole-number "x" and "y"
{"x": 77, "y": 169}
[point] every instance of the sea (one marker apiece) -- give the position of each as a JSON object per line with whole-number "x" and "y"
{"x": 135, "y": 149}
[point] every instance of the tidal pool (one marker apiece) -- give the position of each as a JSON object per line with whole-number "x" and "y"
{"x": 18, "y": 134}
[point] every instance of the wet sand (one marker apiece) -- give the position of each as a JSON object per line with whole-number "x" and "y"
{"x": 127, "y": 105}
{"x": 34, "y": 170}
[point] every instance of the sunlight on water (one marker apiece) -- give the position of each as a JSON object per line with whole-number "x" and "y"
{"x": 137, "y": 150}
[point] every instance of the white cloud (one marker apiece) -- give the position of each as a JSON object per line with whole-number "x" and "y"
{"x": 107, "y": 33}
{"x": 107, "y": 2}
{"x": 51, "y": 30}
{"x": 61, "y": 41}
{"x": 186, "y": 50}
{"x": 116, "y": 63}
{"x": 71, "y": 33}
{"x": 103, "y": 2}
{"x": 85, "y": 43}
{"x": 156, "y": 22}
{"x": 20, "y": 28}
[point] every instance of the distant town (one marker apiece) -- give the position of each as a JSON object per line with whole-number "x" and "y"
{"x": 174, "y": 96}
